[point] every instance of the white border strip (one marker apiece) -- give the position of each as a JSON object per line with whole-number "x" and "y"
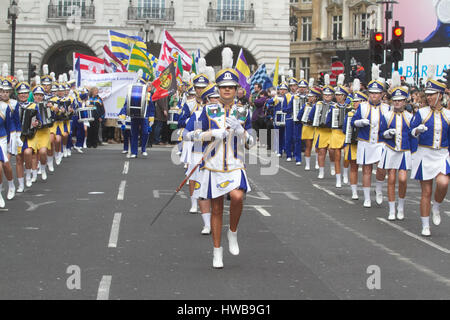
{"x": 428, "y": 242}
{"x": 114, "y": 235}
{"x": 103, "y": 289}
{"x": 121, "y": 194}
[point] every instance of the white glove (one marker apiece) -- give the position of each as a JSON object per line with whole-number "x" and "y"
{"x": 220, "y": 134}
{"x": 235, "y": 125}
{"x": 421, "y": 128}
{"x": 189, "y": 136}
{"x": 362, "y": 123}
{"x": 388, "y": 134}
{"x": 150, "y": 123}
{"x": 19, "y": 141}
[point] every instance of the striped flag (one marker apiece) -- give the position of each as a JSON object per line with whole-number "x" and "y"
{"x": 139, "y": 60}
{"x": 112, "y": 63}
{"x": 84, "y": 64}
{"x": 169, "y": 49}
{"x": 179, "y": 71}
{"x": 121, "y": 45}
{"x": 244, "y": 72}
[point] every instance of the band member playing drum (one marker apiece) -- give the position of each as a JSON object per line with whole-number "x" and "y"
{"x": 225, "y": 169}
{"x": 431, "y": 161}
{"x": 41, "y": 141}
{"x": 367, "y": 118}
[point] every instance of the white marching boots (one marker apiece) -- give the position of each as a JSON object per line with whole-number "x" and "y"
{"x": 2, "y": 201}
{"x": 436, "y": 217}
{"x": 232, "y": 242}
{"x": 84, "y": 143}
{"x": 218, "y": 258}
{"x": 11, "y": 190}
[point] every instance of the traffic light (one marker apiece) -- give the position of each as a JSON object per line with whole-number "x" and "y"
{"x": 398, "y": 39}
{"x": 33, "y": 71}
{"x": 446, "y": 77}
{"x": 377, "y": 47}
{"x": 322, "y": 78}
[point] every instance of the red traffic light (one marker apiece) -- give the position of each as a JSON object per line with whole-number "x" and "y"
{"x": 398, "y": 32}
{"x": 379, "y": 37}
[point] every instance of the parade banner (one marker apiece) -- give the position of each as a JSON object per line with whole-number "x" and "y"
{"x": 112, "y": 88}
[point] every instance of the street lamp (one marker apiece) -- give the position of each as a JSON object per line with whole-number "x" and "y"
{"x": 13, "y": 14}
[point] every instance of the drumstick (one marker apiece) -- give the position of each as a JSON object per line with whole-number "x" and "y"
{"x": 210, "y": 148}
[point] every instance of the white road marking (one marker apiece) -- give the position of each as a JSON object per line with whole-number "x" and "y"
{"x": 260, "y": 196}
{"x": 103, "y": 289}
{"x": 126, "y": 166}
{"x": 428, "y": 242}
{"x": 263, "y": 211}
{"x": 114, "y": 235}
{"x": 399, "y": 257}
{"x": 121, "y": 194}
{"x": 289, "y": 171}
{"x": 158, "y": 193}
{"x": 288, "y": 194}
{"x": 96, "y": 192}
{"x": 447, "y": 213}
{"x": 32, "y": 206}
{"x": 331, "y": 193}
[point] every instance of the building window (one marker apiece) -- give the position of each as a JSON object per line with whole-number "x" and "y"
{"x": 337, "y": 27}
{"x": 150, "y": 9}
{"x": 306, "y": 1}
{"x": 306, "y": 28}
{"x": 293, "y": 1}
{"x": 361, "y": 25}
{"x": 293, "y": 64}
{"x": 68, "y": 8}
{"x": 305, "y": 65}
{"x": 230, "y": 10}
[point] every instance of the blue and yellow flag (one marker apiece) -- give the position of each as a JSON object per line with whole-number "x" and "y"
{"x": 121, "y": 45}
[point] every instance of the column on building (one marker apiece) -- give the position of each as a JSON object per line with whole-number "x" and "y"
{"x": 380, "y": 17}
{"x": 345, "y": 20}
{"x": 324, "y": 20}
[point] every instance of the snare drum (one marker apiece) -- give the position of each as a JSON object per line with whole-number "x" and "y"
{"x": 173, "y": 116}
{"x": 137, "y": 101}
{"x": 280, "y": 119}
{"x": 85, "y": 114}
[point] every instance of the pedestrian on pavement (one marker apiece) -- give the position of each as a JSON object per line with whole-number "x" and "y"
{"x": 161, "y": 117}
{"x": 98, "y": 114}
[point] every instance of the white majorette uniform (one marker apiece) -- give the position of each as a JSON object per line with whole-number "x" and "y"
{"x": 395, "y": 133}
{"x": 224, "y": 170}
{"x": 370, "y": 147}
{"x": 196, "y": 152}
{"x": 5, "y": 124}
{"x": 433, "y": 131}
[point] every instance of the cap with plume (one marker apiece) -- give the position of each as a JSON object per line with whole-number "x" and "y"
{"x": 327, "y": 79}
{"x": 45, "y": 69}
{"x": 61, "y": 78}
{"x": 71, "y": 75}
{"x": 53, "y": 76}
{"x": 302, "y": 74}
{"x": 65, "y": 77}
{"x": 311, "y": 82}
{"x": 37, "y": 79}
{"x": 227, "y": 58}
{"x": 201, "y": 66}
{"x": 5, "y": 71}
{"x": 375, "y": 72}
{"x": 431, "y": 72}
{"x": 356, "y": 85}
{"x": 192, "y": 75}
{"x": 341, "y": 79}
{"x": 140, "y": 73}
{"x": 20, "y": 76}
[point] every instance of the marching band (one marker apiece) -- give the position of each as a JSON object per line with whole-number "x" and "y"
{"x": 356, "y": 129}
